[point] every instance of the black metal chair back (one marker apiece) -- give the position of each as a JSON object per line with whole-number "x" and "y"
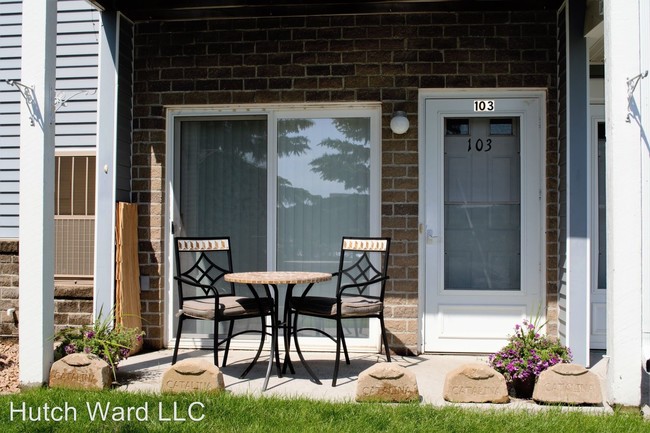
{"x": 363, "y": 265}
{"x": 201, "y": 263}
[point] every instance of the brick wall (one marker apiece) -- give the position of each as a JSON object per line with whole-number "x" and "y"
{"x": 383, "y": 57}
{"x": 8, "y": 286}
{"x": 73, "y": 302}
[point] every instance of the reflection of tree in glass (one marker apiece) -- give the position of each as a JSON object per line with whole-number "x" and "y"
{"x": 291, "y": 144}
{"x": 296, "y": 145}
{"x": 250, "y": 139}
{"x": 245, "y": 139}
{"x": 351, "y": 165}
{"x": 239, "y": 148}
{"x": 311, "y": 225}
{"x": 288, "y": 195}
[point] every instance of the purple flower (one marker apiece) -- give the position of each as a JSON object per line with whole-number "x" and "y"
{"x": 90, "y": 334}
{"x": 70, "y": 348}
{"x": 528, "y": 353}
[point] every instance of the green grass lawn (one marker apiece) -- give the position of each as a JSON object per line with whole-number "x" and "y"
{"x": 117, "y": 411}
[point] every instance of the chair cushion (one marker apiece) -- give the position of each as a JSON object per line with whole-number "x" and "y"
{"x": 351, "y": 306}
{"x": 229, "y": 306}
{"x": 199, "y": 308}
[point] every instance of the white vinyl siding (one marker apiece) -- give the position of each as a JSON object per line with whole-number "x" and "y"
{"x": 76, "y": 123}
{"x": 76, "y": 74}
{"x": 10, "y": 26}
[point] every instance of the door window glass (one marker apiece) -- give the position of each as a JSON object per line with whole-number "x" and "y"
{"x": 482, "y": 210}
{"x": 456, "y": 126}
{"x": 602, "y": 204}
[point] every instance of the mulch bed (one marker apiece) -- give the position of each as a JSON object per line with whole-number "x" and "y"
{"x": 9, "y": 378}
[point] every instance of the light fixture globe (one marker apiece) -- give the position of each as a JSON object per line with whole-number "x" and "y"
{"x": 399, "y": 124}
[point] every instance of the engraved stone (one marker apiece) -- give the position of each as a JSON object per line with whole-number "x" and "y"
{"x": 387, "y": 382}
{"x": 475, "y": 383}
{"x": 568, "y": 384}
{"x": 80, "y": 371}
{"x": 190, "y": 375}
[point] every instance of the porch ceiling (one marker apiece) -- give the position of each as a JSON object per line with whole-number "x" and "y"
{"x": 171, "y": 10}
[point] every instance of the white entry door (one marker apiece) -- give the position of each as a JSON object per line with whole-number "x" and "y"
{"x": 483, "y": 224}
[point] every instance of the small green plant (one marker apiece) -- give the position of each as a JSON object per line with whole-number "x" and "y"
{"x": 110, "y": 342}
{"x": 528, "y": 353}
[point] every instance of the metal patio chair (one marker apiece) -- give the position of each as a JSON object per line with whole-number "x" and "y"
{"x": 201, "y": 263}
{"x": 360, "y": 286}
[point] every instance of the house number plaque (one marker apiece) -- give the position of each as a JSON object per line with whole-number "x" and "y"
{"x": 483, "y": 105}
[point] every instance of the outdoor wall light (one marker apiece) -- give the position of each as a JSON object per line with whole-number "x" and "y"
{"x": 399, "y": 124}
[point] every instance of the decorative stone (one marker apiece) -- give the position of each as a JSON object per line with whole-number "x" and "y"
{"x": 475, "y": 383}
{"x": 80, "y": 371}
{"x": 387, "y": 382}
{"x": 190, "y": 375}
{"x": 568, "y": 384}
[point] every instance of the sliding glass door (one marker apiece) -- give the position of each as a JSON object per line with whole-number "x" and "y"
{"x": 285, "y": 185}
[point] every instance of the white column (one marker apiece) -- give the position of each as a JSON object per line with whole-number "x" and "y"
{"x": 624, "y": 204}
{"x": 578, "y": 209}
{"x": 36, "y": 232}
{"x": 104, "y": 295}
{"x": 644, "y": 107}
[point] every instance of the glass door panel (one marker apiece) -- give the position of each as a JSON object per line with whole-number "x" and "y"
{"x": 602, "y": 205}
{"x": 323, "y": 194}
{"x": 222, "y": 179}
{"x": 482, "y": 204}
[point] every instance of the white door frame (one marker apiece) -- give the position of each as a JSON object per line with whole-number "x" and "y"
{"x": 538, "y": 129}
{"x": 598, "y": 298}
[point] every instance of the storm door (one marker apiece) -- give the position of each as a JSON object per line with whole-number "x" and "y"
{"x": 483, "y": 224}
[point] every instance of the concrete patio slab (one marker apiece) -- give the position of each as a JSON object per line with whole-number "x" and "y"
{"x": 143, "y": 373}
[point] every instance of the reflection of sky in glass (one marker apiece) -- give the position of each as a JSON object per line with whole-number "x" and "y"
{"x": 296, "y": 168}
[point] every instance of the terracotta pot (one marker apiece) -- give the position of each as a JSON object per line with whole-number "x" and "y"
{"x": 524, "y": 387}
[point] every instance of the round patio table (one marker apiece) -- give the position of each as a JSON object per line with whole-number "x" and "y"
{"x": 275, "y": 279}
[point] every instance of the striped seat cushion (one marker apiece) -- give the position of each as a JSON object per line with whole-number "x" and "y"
{"x": 229, "y": 306}
{"x": 351, "y": 306}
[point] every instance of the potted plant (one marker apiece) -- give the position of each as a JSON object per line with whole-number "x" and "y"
{"x": 526, "y": 355}
{"x": 110, "y": 342}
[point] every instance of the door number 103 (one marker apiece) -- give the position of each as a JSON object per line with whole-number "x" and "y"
{"x": 483, "y": 105}
{"x": 479, "y": 145}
